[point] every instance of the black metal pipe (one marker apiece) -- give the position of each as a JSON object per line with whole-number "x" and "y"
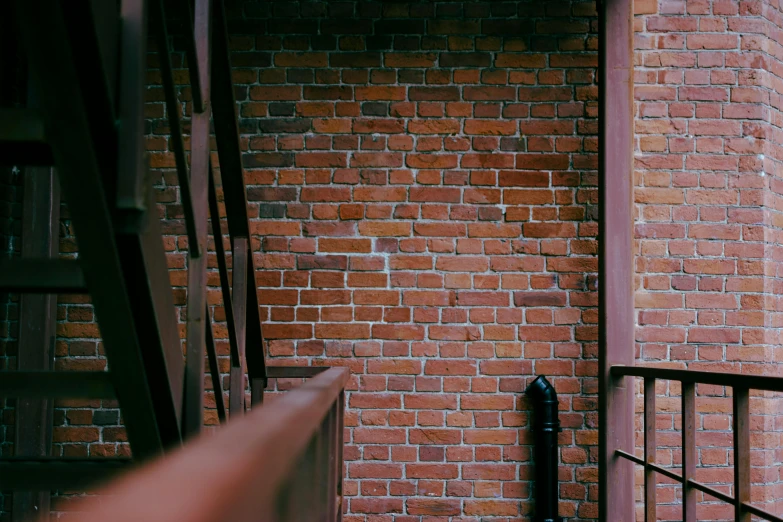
{"x": 546, "y": 427}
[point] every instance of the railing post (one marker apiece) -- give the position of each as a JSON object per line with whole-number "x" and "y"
{"x": 198, "y": 319}
{"x": 615, "y": 260}
{"x": 741, "y": 453}
{"x": 688, "y": 451}
{"x": 236, "y": 397}
{"x": 650, "y": 477}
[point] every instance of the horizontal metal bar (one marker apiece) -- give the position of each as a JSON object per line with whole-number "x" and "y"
{"x": 292, "y": 372}
{"x": 273, "y": 437}
{"x": 42, "y": 276}
{"x": 629, "y": 456}
{"x": 59, "y": 385}
{"x": 754, "y": 382}
{"x": 58, "y": 473}
{"x": 23, "y": 138}
{"x": 712, "y": 492}
{"x": 766, "y": 515}
{"x": 663, "y": 471}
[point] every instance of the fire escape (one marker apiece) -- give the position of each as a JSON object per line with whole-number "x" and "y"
{"x": 87, "y": 63}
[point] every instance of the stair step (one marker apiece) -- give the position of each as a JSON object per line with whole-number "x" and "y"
{"x": 57, "y": 385}
{"x": 42, "y": 276}
{"x": 23, "y": 138}
{"x": 58, "y": 473}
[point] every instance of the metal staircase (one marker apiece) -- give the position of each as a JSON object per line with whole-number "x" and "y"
{"x": 87, "y": 64}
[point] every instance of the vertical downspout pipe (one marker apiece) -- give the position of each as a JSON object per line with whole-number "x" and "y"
{"x": 546, "y": 427}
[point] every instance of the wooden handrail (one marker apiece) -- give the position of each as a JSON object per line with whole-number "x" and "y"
{"x": 741, "y": 385}
{"x": 255, "y": 468}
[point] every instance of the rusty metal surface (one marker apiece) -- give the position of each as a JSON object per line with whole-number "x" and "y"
{"x": 250, "y": 462}
{"x": 615, "y": 257}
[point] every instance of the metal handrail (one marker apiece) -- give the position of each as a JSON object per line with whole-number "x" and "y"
{"x": 258, "y": 467}
{"x": 741, "y": 385}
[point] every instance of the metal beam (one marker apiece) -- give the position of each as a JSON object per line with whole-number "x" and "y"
{"x": 23, "y": 138}
{"x": 615, "y": 258}
{"x": 71, "y": 474}
{"x": 55, "y": 385}
{"x": 37, "y": 328}
{"x": 236, "y": 398}
{"x": 42, "y": 276}
{"x": 232, "y": 176}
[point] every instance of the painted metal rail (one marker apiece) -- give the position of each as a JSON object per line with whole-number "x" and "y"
{"x": 282, "y": 461}
{"x": 741, "y": 386}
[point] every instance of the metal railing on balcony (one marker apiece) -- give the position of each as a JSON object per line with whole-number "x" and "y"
{"x": 741, "y": 386}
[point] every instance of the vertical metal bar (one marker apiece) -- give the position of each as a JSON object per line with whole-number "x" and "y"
{"x": 229, "y": 153}
{"x": 615, "y": 259}
{"x": 176, "y": 141}
{"x": 37, "y": 323}
{"x": 236, "y": 399}
{"x": 650, "y": 476}
{"x": 220, "y": 253}
{"x": 741, "y": 453}
{"x": 340, "y": 465}
{"x": 131, "y": 187}
{"x": 332, "y": 478}
{"x": 197, "y": 85}
{"x": 214, "y": 369}
{"x": 198, "y": 312}
{"x": 689, "y": 457}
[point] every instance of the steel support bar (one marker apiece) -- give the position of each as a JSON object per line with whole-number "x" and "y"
{"x": 147, "y": 278}
{"x": 220, "y": 254}
{"x": 198, "y": 87}
{"x": 650, "y": 479}
{"x": 232, "y": 176}
{"x": 49, "y": 474}
{"x": 741, "y": 429}
{"x": 214, "y": 371}
{"x": 49, "y": 55}
{"x": 23, "y": 138}
{"x": 40, "y": 384}
{"x": 42, "y": 276}
{"x": 37, "y": 328}
{"x": 198, "y": 311}
{"x": 615, "y": 258}
{"x": 176, "y": 142}
{"x": 753, "y": 382}
{"x": 236, "y": 398}
{"x": 689, "y": 456}
{"x": 132, "y": 171}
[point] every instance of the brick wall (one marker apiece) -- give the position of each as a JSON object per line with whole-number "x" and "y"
{"x": 421, "y": 179}
{"x": 708, "y": 83}
{"x": 422, "y": 188}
